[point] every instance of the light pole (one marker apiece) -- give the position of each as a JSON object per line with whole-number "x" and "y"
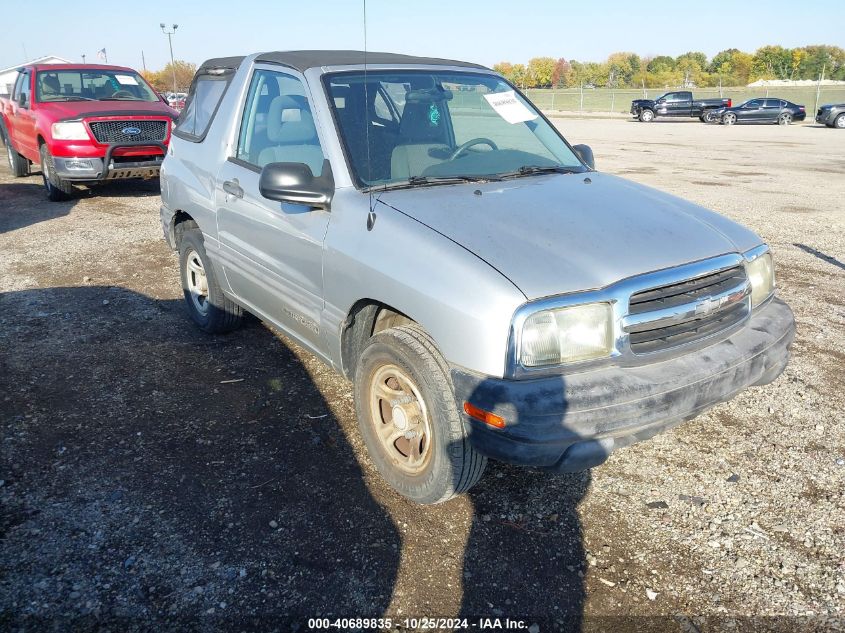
{"x": 170, "y": 41}
{"x": 83, "y": 58}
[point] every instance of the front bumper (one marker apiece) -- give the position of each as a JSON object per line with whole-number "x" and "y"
{"x": 570, "y": 423}
{"x": 89, "y": 169}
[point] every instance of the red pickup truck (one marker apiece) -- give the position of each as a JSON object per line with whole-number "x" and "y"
{"x": 84, "y": 123}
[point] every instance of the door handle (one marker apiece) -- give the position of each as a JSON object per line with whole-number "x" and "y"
{"x": 232, "y": 187}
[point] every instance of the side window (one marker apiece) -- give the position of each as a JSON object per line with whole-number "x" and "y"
{"x": 25, "y": 89}
{"x": 277, "y": 125}
{"x": 205, "y": 96}
{"x": 754, "y": 103}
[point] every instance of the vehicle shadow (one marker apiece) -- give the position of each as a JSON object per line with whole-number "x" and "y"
{"x": 525, "y": 557}
{"x": 154, "y": 473}
{"x": 23, "y": 203}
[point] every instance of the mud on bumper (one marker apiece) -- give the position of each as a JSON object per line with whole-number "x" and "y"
{"x": 573, "y": 422}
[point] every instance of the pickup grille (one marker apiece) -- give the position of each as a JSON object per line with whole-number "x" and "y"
{"x": 112, "y": 131}
{"x": 710, "y": 315}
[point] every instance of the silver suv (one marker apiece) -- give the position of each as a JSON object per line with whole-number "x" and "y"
{"x": 421, "y": 227}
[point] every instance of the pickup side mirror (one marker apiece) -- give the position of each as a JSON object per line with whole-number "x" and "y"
{"x": 295, "y": 183}
{"x": 22, "y": 100}
{"x": 585, "y": 153}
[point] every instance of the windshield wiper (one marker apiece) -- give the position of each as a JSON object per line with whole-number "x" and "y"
{"x": 62, "y": 98}
{"x": 532, "y": 170}
{"x": 427, "y": 181}
{"x": 121, "y": 99}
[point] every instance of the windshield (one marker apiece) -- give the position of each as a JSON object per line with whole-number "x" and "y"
{"x": 92, "y": 85}
{"x": 425, "y": 126}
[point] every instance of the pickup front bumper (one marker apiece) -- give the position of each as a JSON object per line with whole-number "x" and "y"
{"x": 115, "y": 164}
{"x": 573, "y": 422}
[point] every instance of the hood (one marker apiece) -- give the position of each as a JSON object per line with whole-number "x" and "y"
{"x": 60, "y": 110}
{"x": 555, "y": 234}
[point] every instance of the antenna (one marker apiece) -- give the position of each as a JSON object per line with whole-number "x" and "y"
{"x": 366, "y": 116}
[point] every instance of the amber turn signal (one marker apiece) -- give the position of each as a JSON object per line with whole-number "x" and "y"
{"x": 484, "y": 416}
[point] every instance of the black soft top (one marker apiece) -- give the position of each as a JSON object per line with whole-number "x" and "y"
{"x": 303, "y": 60}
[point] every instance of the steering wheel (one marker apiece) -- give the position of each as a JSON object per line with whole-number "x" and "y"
{"x": 470, "y": 143}
{"x": 122, "y": 93}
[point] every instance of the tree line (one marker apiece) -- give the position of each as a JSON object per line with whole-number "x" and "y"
{"x": 731, "y": 67}
{"x": 162, "y": 80}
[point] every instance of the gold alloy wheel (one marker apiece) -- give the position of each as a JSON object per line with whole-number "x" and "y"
{"x": 400, "y": 419}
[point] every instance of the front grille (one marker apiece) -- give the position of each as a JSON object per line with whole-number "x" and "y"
{"x": 113, "y": 131}
{"x": 645, "y": 338}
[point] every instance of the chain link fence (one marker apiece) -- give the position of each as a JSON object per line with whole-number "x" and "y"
{"x": 609, "y": 100}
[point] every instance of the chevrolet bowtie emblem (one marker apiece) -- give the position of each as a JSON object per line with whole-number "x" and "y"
{"x": 709, "y": 304}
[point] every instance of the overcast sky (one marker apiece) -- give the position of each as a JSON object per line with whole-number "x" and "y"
{"x": 483, "y": 31}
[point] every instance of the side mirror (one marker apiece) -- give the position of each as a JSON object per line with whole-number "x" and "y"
{"x": 661, "y": 101}
{"x": 295, "y": 183}
{"x": 22, "y": 100}
{"x": 585, "y": 153}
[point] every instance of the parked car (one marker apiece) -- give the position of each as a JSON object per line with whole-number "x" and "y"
{"x": 761, "y": 111}
{"x": 677, "y": 104}
{"x": 84, "y": 123}
{"x": 487, "y": 292}
{"x": 832, "y": 115}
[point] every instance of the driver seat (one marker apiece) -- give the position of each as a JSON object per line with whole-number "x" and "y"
{"x": 422, "y": 140}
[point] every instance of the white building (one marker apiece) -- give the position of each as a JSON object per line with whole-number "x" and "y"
{"x": 9, "y": 75}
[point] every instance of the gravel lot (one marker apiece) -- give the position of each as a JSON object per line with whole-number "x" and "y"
{"x": 154, "y": 477}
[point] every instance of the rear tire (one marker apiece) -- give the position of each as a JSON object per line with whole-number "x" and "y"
{"x": 646, "y": 115}
{"x": 409, "y": 419}
{"x": 209, "y": 308}
{"x": 18, "y": 165}
{"x": 57, "y": 188}
{"x": 839, "y": 122}
{"x": 784, "y": 118}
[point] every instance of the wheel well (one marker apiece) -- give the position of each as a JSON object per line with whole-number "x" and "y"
{"x": 367, "y": 317}
{"x": 177, "y": 225}
{"x": 41, "y": 141}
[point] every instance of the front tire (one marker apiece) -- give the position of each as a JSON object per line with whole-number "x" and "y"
{"x": 406, "y": 410}
{"x": 209, "y": 308}
{"x": 729, "y": 118}
{"x": 646, "y": 115}
{"x": 57, "y": 188}
{"x": 839, "y": 122}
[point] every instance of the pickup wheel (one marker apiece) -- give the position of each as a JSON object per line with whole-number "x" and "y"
{"x": 57, "y": 188}
{"x": 406, "y": 410}
{"x": 646, "y": 115}
{"x": 707, "y": 117}
{"x": 839, "y": 122}
{"x": 209, "y": 308}
{"x": 18, "y": 165}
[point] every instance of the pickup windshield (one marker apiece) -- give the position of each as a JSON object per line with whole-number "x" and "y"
{"x": 417, "y": 128}
{"x": 92, "y": 85}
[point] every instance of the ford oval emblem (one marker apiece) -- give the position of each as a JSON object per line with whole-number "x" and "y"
{"x": 131, "y": 131}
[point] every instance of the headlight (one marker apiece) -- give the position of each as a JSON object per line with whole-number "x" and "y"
{"x": 566, "y": 335}
{"x": 761, "y": 274}
{"x": 70, "y": 131}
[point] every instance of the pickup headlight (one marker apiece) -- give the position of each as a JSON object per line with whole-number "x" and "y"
{"x": 566, "y": 335}
{"x": 70, "y": 131}
{"x": 761, "y": 274}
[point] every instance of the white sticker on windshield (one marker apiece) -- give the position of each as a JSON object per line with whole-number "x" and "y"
{"x": 126, "y": 80}
{"x": 509, "y": 107}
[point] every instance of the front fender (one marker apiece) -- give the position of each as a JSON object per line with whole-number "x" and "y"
{"x": 464, "y": 303}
